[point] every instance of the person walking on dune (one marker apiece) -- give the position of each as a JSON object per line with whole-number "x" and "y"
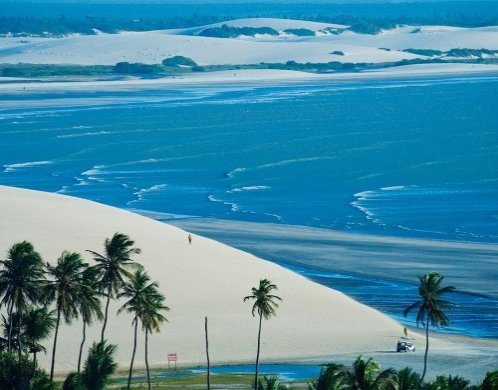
{"x": 189, "y": 239}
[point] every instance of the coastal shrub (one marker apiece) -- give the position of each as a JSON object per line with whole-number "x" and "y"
{"x": 42, "y": 70}
{"x": 337, "y": 53}
{"x": 470, "y": 52}
{"x": 179, "y": 61}
{"x": 333, "y": 30}
{"x": 371, "y": 27}
{"x": 135, "y": 68}
{"x": 198, "y": 68}
{"x": 17, "y": 373}
{"x": 300, "y": 32}
{"x": 424, "y": 52}
{"x": 226, "y": 31}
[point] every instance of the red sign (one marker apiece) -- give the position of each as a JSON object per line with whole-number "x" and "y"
{"x": 171, "y": 357}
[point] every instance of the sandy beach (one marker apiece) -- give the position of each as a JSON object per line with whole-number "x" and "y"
{"x": 205, "y": 278}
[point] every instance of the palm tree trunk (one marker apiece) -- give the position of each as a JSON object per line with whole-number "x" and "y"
{"x": 18, "y": 333}
{"x": 133, "y": 353}
{"x": 106, "y": 313}
{"x": 82, "y": 344}
{"x": 257, "y": 354}
{"x": 207, "y": 352}
{"x": 426, "y": 347}
{"x": 146, "y": 357}
{"x": 55, "y": 343}
{"x": 34, "y": 365}
{"x": 11, "y": 308}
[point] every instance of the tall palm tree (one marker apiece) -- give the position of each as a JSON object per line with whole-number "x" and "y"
{"x": 431, "y": 308}
{"x": 366, "y": 375}
{"x": 89, "y": 303}
{"x": 152, "y": 319}
{"x": 138, "y": 291}
{"x": 37, "y": 323}
{"x": 65, "y": 288}
{"x": 114, "y": 266}
{"x": 265, "y": 305}
{"x": 21, "y": 282}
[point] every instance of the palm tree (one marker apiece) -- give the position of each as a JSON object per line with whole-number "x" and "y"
{"x": 89, "y": 303}
{"x": 266, "y": 306}
{"x": 66, "y": 290}
{"x": 408, "y": 379}
{"x": 152, "y": 320}
{"x": 269, "y": 383}
{"x": 431, "y": 308}
{"x": 490, "y": 382}
{"x": 138, "y": 292}
{"x": 21, "y": 282}
{"x": 114, "y": 267}
{"x": 332, "y": 377}
{"x": 36, "y": 325}
{"x": 366, "y": 375}
{"x": 448, "y": 382}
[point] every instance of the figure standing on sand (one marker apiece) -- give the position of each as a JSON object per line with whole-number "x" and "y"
{"x": 189, "y": 239}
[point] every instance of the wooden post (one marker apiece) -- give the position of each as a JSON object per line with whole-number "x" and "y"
{"x": 207, "y": 352}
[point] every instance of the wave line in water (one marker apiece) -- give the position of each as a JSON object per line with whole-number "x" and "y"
{"x": 28, "y": 164}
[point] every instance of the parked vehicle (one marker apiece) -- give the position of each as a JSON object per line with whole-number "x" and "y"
{"x": 405, "y": 346}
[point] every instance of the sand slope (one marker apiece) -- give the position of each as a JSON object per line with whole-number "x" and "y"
{"x": 205, "y": 278}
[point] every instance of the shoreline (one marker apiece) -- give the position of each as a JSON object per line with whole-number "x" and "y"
{"x": 254, "y": 79}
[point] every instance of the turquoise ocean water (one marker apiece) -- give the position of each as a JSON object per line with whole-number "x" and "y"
{"x": 415, "y": 158}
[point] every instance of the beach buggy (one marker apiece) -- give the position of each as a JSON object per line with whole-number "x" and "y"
{"x": 405, "y": 346}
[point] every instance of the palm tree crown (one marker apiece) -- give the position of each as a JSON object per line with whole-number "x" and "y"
{"x": 264, "y": 302}
{"x": 114, "y": 267}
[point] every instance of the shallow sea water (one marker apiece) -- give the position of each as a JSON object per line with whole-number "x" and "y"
{"x": 414, "y": 158}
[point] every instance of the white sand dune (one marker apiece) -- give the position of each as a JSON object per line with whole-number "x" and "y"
{"x": 205, "y": 278}
{"x": 276, "y": 24}
{"x": 151, "y": 47}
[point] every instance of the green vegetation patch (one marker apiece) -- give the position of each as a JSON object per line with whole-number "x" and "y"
{"x": 226, "y": 31}
{"x": 40, "y": 70}
{"x": 470, "y": 52}
{"x": 136, "y": 68}
{"x": 424, "y": 52}
{"x": 300, "y": 32}
{"x": 179, "y": 61}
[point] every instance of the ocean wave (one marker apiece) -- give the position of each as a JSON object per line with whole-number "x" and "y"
{"x": 28, "y": 164}
{"x": 87, "y": 134}
{"x": 233, "y": 206}
{"x": 142, "y": 193}
{"x": 95, "y": 170}
{"x": 236, "y": 171}
{"x": 248, "y": 188}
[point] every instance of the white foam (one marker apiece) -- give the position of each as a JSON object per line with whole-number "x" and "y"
{"x": 28, "y": 164}
{"x": 248, "y": 188}
{"x": 87, "y": 134}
